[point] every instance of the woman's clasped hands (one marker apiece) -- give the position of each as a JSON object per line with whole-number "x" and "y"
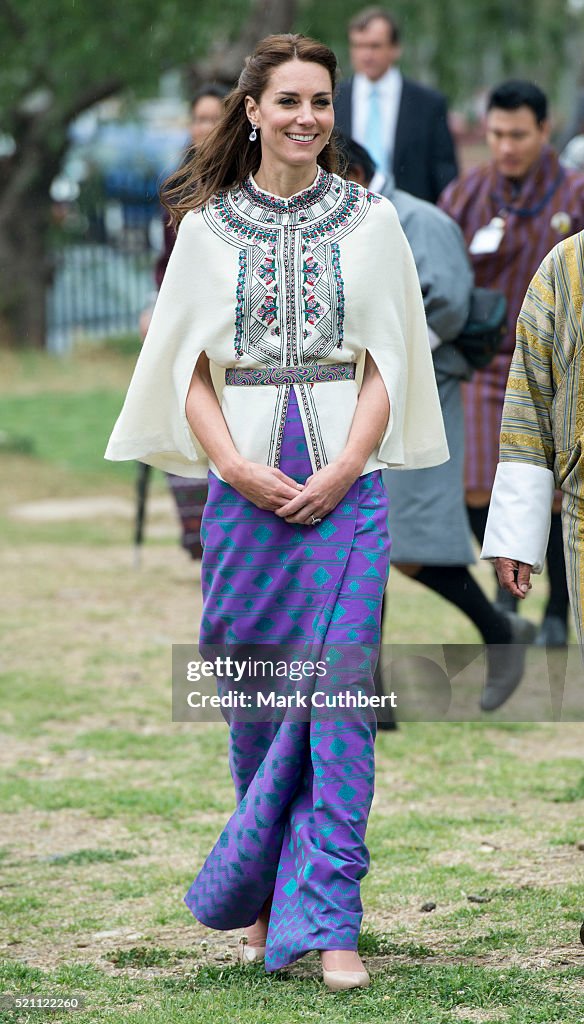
{"x": 305, "y": 504}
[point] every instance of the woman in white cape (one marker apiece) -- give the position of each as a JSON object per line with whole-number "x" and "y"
{"x": 288, "y": 354}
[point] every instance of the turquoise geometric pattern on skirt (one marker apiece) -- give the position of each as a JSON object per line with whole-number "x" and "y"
{"x": 303, "y": 788}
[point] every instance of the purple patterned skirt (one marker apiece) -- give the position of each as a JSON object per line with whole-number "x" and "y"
{"x": 303, "y": 787}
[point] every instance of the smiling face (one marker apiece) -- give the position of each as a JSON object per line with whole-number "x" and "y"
{"x": 294, "y": 114}
{"x": 516, "y": 140}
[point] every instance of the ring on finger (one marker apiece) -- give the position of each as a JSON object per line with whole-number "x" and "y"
{"x": 314, "y": 521}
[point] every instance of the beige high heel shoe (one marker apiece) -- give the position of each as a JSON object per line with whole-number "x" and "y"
{"x": 339, "y": 980}
{"x": 247, "y": 954}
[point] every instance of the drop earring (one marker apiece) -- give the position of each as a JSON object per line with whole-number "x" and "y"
{"x": 253, "y": 133}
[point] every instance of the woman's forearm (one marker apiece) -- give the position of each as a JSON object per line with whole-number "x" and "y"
{"x": 265, "y": 486}
{"x": 370, "y": 419}
{"x": 207, "y": 421}
{"x": 209, "y": 427}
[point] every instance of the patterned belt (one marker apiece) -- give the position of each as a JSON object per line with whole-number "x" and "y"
{"x": 318, "y": 373}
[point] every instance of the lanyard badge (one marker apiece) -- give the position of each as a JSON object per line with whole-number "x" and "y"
{"x": 488, "y": 239}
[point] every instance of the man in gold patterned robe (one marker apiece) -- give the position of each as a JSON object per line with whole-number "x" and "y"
{"x": 542, "y": 431}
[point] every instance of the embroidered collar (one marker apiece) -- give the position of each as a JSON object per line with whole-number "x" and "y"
{"x": 302, "y": 200}
{"x": 329, "y": 208}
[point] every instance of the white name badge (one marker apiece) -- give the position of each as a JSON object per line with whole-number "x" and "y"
{"x": 488, "y": 239}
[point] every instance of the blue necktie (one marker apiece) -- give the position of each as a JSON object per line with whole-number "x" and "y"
{"x": 374, "y": 131}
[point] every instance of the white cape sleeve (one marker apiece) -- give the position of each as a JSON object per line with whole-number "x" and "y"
{"x": 396, "y": 335}
{"x": 152, "y": 426}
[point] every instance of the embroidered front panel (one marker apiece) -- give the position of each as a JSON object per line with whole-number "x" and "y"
{"x": 289, "y": 294}
{"x": 278, "y": 423}
{"x": 257, "y": 311}
{"x": 314, "y": 436}
{"x": 239, "y": 303}
{"x": 339, "y": 325}
{"x": 324, "y": 301}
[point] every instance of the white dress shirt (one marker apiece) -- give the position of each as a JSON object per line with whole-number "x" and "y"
{"x": 390, "y": 90}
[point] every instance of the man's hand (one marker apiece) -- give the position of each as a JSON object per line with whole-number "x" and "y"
{"x": 514, "y": 576}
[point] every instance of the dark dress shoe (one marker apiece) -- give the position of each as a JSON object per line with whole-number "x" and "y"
{"x": 506, "y": 663}
{"x": 553, "y": 632}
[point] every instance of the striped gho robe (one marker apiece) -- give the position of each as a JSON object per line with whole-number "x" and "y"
{"x": 547, "y": 207}
{"x": 542, "y": 428}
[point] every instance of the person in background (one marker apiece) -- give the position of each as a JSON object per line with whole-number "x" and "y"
{"x": 541, "y": 432}
{"x": 402, "y": 124}
{"x": 206, "y": 110}
{"x": 189, "y": 495}
{"x": 512, "y": 211}
{"x": 431, "y": 535}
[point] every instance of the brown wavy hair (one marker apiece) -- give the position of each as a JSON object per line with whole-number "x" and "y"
{"x": 227, "y": 157}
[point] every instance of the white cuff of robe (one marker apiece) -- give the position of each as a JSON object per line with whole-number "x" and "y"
{"x": 518, "y": 523}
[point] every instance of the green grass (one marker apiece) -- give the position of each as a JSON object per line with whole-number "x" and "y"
{"x": 91, "y": 857}
{"x": 572, "y": 793}
{"x": 67, "y": 429}
{"x": 424, "y": 994}
{"x": 99, "y": 798}
{"x": 146, "y": 956}
{"x": 421, "y": 972}
{"x": 108, "y": 808}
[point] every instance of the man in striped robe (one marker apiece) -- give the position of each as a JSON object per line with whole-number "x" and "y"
{"x": 542, "y": 432}
{"x": 512, "y": 211}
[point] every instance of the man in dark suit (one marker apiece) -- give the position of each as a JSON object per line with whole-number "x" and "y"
{"x": 402, "y": 124}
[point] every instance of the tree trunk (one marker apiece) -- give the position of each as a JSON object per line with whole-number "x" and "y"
{"x": 25, "y": 272}
{"x": 41, "y": 140}
{"x": 25, "y": 213}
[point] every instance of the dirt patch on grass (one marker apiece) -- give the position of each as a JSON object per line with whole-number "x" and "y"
{"x": 469, "y": 1013}
{"x": 543, "y": 744}
{"x": 34, "y": 834}
{"x": 68, "y": 509}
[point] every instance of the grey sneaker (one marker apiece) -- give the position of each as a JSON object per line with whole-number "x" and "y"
{"x": 506, "y": 662}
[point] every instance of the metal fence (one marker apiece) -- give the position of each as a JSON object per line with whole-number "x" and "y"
{"x": 103, "y": 257}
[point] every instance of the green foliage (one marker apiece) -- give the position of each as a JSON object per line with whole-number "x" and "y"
{"x": 64, "y": 52}
{"x": 461, "y": 46}
{"x": 68, "y": 50}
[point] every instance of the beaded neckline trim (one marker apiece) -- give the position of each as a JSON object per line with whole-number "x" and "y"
{"x": 299, "y": 201}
